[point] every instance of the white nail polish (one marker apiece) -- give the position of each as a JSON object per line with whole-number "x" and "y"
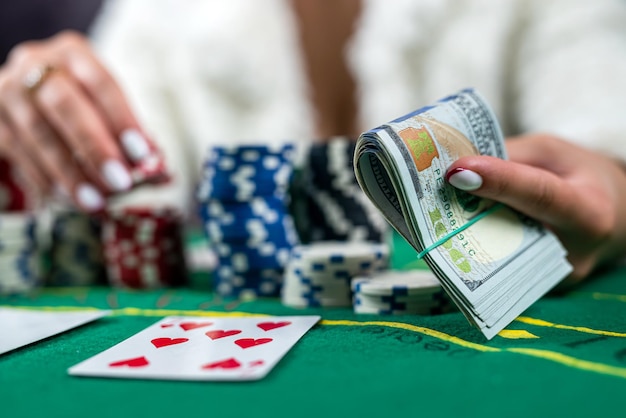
{"x": 116, "y": 175}
{"x": 466, "y": 180}
{"x": 89, "y": 197}
{"x": 134, "y": 144}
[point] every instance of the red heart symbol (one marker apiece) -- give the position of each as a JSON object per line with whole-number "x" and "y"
{"x": 166, "y": 325}
{"x": 219, "y": 333}
{"x": 133, "y": 362}
{"x": 164, "y": 342}
{"x": 251, "y": 342}
{"x": 193, "y": 325}
{"x": 230, "y": 363}
{"x": 266, "y": 326}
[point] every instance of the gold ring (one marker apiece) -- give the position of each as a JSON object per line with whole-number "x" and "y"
{"x": 37, "y": 76}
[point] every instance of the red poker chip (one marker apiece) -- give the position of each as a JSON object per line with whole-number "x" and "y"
{"x": 144, "y": 248}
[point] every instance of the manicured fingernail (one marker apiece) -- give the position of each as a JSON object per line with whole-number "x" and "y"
{"x": 464, "y": 179}
{"x": 135, "y": 145}
{"x": 89, "y": 197}
{"x": 116, "y": 175}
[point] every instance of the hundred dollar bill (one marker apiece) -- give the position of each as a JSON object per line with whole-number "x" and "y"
{"x": 493, "y": 261}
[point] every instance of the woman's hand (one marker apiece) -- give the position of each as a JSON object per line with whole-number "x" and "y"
{"x": 578, "y": 194}
{"x": 65, "y": 122}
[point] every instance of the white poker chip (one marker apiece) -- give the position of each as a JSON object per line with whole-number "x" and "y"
{"x": 399, "y": 304}
{"x": 411, "y": 282}
{"x": 411, "y": 311}
{"x": 319, "y": 274}
{"x": 341, "y": 252}
{"x": 310, "y": 301}
{"x": 19, "y": 256}
{"x": 383, "y": 300}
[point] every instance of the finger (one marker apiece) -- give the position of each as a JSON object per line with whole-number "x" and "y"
{"x": 28, "y": 174}
{"x": 21, "y": 159}
{"x": 522, "y": 151}
{"x": 105, "y": 93}
{"x": 47, "y": 151}
{"x": 536, "y": 192}
{"x": 544, "y": 151}
{"x": 81, "y": 126}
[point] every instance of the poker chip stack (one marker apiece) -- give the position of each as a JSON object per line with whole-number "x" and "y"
{"x": 243, "y": 205}
{"x": 319, "y": 274}
{"x": 399, "y": 293}
{"x": 328, "y": 203}
{"x": 20, "y": 261}
{"x": 144, "y": 248}
{"x": 19, "y": 255}
{"x": 76, "y": 254}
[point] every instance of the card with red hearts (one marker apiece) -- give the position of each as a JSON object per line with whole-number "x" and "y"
{"x": 201, "y": 348}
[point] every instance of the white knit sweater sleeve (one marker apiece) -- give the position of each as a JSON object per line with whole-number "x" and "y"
{"x": 570, "y": 72}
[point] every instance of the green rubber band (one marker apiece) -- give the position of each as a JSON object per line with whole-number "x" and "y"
{"x": 471, "y": 222}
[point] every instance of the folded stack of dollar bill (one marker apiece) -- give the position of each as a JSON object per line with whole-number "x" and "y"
{"x": 494, "y": 262}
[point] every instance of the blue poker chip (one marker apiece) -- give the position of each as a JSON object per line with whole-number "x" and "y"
{"x": 251, "y": 232}
{"x": 239, "y": 173}
{"x": 259, "y": 283}
{"x": 411, "y": 282}
{"x": 227, "y": 169}
{"x": 243, "y": 257}
{"x": 244, "y": 175}
{"x": 266, "y": 208}
{"x": 243, "y": 190}
{"x": 251, "y": 152}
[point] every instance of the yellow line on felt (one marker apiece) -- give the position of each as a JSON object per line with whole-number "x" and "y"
{"x": 179, "y": 312}
{"x": 572, "y": 361}
{"x": 600, "y": 296}
{"x": 137, "y": 311}
{"x": 608, "y": 296}
{"x": 414, "y": 328}
{"x": 563, "y": 359}
{"x": 542, "y": 323}
{"x": 553, "y": 356}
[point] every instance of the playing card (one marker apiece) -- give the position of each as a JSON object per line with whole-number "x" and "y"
{"x": 201, "y": 348}
{"x": 19, "y": 327}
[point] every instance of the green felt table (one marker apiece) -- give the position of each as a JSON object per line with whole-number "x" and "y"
{"x": 566, "y": 356}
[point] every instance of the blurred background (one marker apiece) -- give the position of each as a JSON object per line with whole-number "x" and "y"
{"x": 37, "y": 19}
